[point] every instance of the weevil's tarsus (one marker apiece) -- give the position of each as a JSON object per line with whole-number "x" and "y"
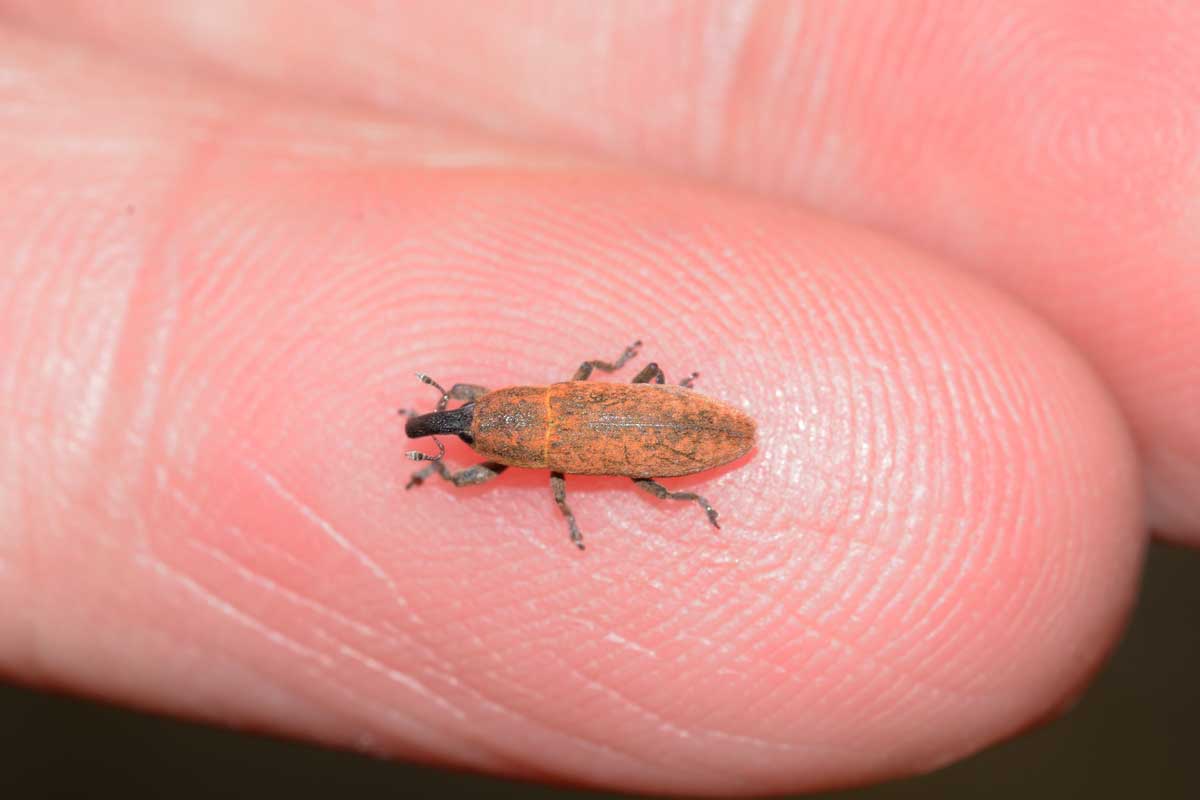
{"x": 660, "y": 491}
{"x": 558, "y": 482}
{"x": 653, "y": 373}
{"x": 471, "y": 476}
{"x": 585, "y": 369}
{"x": 648, "y": 373}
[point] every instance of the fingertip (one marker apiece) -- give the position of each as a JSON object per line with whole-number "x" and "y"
{"x": 932, "y": 540}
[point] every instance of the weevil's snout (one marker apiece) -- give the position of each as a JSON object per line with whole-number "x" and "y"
{"x": 418, "y": 426}
{"x": 456, "y": 422}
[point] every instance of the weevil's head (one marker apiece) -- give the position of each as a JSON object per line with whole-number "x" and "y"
{"x": 456, "y": 422}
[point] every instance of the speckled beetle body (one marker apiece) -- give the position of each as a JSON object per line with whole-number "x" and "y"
{"x": 642, "y": 430}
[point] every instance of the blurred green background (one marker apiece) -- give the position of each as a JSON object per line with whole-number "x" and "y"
{"x": 1136, "y": 733}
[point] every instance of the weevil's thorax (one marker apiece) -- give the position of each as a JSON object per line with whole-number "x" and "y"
{"x": 510, "y": 426}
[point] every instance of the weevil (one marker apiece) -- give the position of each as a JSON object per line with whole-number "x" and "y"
{"x": 641, "y": 430}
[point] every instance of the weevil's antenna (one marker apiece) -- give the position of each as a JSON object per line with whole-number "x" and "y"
{"x": 441, "y": 406}
{"x": 417, "y": 455}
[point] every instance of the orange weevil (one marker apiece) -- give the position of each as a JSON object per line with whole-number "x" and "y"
{"x": 643, "y": 430}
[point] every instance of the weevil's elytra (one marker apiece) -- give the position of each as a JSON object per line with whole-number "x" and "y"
{"x": 639, "y": 430}
{"x": 642, "y": 430}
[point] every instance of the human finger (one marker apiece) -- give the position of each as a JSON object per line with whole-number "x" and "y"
{"x": 212, "y": 305}
{"x": 1046, "y": 147}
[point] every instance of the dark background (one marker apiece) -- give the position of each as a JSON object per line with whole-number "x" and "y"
{"x": 1136, "y": 733}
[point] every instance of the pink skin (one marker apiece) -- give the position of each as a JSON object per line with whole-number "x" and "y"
{"x": 1048, "y": 147}
{"x": 214, "y": 296}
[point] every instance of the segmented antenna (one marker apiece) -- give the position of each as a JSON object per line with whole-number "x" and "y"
{"x": 417, "y": 455}
{"x": 441, "y": 406}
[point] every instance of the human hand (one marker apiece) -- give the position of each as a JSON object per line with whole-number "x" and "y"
{"x": 222, "y": 271}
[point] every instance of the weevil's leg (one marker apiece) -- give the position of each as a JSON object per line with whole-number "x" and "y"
{"x": 558, "y": 482}
{"x": 658, "y": 490}
{"x": 650, "y": 372}
{"x": 585, "y": 369}
{"x": 467, "y": 392}
{"x": 406, "y": 412}
{"x": 471, "y": 476}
